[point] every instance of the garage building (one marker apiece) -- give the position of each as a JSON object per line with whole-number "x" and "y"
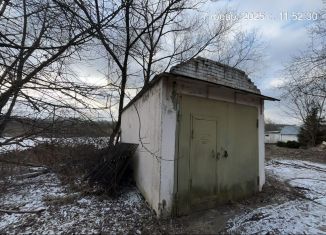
{"x": 200, "y": 130}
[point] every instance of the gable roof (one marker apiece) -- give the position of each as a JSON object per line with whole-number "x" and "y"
{"x": 215, "y": 72}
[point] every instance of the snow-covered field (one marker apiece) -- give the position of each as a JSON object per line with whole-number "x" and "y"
{"x": 28, "y": 143}
{"x": 304, "y": 215}
{"x": 68, "y": 212}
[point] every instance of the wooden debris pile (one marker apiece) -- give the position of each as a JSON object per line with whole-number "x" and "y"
{"x": 112, "y": 166}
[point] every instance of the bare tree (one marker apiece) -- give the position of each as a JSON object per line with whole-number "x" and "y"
{"x": 147, "y": 37}
{"x": 271, "y": 125}
{"x": 185, "y": 34}
{"x": 37, "y": 40}
{"x": 175, "y": 38}
{"x": 141, "y": 38}
{"x": 305, "y": 87}
{"x": 121, "y": 37}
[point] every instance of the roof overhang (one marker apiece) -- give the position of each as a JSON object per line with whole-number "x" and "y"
{"x": 167, "y": 75}
{"x": 221, "y": 85}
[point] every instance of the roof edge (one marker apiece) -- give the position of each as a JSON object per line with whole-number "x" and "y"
{"x": 158, "y": 77}
{"x": 226, "y": 86}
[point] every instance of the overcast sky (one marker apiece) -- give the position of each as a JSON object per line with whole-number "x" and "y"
{"x": 284, "y": 36}
{"x": 282, "y": 33}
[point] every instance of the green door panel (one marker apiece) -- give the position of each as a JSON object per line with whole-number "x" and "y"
{"x": 228, "y": 131}
{"x": 238, "y": 172}
{"x": 202, "y": 160}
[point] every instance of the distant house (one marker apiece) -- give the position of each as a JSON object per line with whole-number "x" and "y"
{"x": 290, "y": 133}
{"x": 200, "y": 130}
{"x": 286, "y": 133}
{"x": 272, "y": 137}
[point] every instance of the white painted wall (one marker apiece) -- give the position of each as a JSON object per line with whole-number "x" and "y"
{"x": 169, "y": 133}
{"x": 146, "y": 163}
{"x": 261, "y": 145}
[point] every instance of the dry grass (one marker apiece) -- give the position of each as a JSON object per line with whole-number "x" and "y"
{"x": 315, "y": 154}
{"x": 70, "y": 162}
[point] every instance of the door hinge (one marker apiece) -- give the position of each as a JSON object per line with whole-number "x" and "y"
{"x": 192, "y": 134}
{"x": 257, "y": 122}
{"x": 258, "y": 180}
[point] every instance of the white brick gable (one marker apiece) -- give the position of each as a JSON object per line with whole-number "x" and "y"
{"x": 212, "y": 71}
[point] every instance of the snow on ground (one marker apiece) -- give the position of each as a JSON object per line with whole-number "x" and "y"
{"x": 27, "y": 196}
{"x": 308, "y": 177}
{"x": 67, "y": 212}
{"x": 99, "y": 142}
{"x": 304, "y": 215}
{"x": 304, "y": 212}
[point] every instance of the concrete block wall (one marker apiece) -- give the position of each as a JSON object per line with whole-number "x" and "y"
{"x": 205, "y": 69}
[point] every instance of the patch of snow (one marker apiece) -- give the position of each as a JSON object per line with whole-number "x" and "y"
{"x": 84, "y": 201}
{"x": 308, "y": 176}
{"x": 301, "y": 216}
{"x": 8, "y": 219}
{"x": 132, "y": 198}
{"x": 81, "y": 215}
{"x": 293, "y": 217}
{"x": 25, "y": 196}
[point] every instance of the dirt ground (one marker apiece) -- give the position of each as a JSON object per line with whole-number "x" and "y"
{"x": 292, "y": 201}
{"x": 316, "y": 154}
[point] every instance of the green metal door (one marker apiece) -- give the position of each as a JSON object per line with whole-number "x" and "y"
{"x": 217, "y": 153}
{"x": 202, "y": 160}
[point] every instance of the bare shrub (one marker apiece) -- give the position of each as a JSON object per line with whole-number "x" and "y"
{"x": 7, "y": 171}
{"x": 70, "y": 161}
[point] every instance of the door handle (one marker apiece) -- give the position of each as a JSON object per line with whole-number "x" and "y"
{"x": 225, "y": 154}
